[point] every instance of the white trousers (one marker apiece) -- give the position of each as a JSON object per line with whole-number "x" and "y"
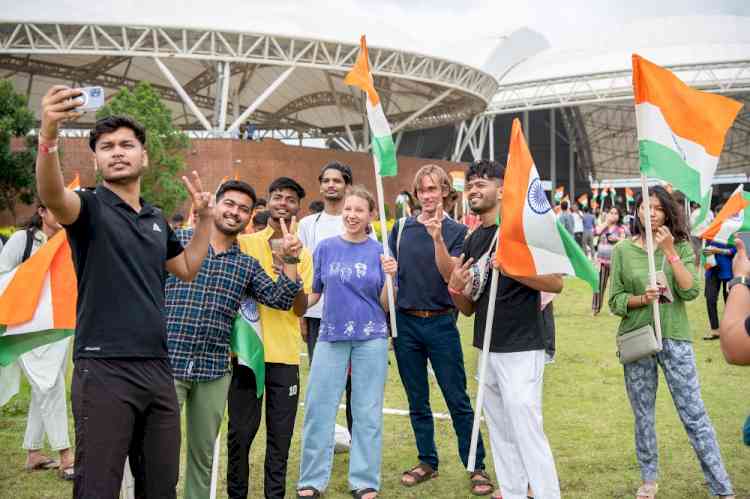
{"x": 513, "y": 410}
{"x": 48, "y": 413}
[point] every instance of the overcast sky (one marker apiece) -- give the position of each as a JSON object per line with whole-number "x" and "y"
{"x": 464, "y": 30}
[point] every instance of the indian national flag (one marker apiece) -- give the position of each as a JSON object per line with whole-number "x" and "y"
{"x": 629, "y": 195}
{"x": 681, "y": 130}
{"x": 532, "y": 242}
{"x": 383, "y": 148}
{"x": 247, "y": 342}
{"x": 733, "y": 217}
{"x": 38, "y": 300}
{"x": 583, "y": 199}
{"x": 75, "y": 184}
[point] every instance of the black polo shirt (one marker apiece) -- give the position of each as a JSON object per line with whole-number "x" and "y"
{"x": 518, "y": 325}
{"x": 119, "y": 257}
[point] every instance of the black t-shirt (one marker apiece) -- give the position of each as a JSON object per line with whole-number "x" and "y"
{"x": 518, "y": 325}
{"x": 119, "y": 257}
{"x": 420, "y": 284}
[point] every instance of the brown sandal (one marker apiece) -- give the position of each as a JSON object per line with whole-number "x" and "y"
{"x": 428, "y": 473}
{"x": 315, "y": 492}
{"x": 478, "y": 479}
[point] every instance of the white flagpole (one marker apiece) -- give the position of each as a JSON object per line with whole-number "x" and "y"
{"x": 650, "y": 253}
{"x": 215, "y": 466}
{"x": 386, "y": 249}
{"x": 483, "y": 370}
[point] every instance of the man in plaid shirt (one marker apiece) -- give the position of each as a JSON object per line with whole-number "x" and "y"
{"x": 200, "y": 315}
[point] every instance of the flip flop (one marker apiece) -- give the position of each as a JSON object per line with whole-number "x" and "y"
{"x": 360, "y": 493}
{"x": 67, "y": 473}
{"x": 43, "y": 465}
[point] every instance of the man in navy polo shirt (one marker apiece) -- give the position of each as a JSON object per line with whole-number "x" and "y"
{"x": 426, "y": 322}
{"x": 123, "y": 392}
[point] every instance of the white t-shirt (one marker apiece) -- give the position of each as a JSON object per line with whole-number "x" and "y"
{"x": 577, "y": 222}
{"x": 313, "y": 229}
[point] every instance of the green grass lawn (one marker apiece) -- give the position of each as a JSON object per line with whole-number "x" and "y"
{"x": 587, "y": 419}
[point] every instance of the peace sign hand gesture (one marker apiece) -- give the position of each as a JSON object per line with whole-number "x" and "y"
{"x": 202, "y": 201}
{"x": 291, "y": 246}
{"x": 461, "y": 274}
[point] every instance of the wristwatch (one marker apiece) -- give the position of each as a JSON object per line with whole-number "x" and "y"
{"x": 739, "y": 280}
{"x": 291, "y": 260}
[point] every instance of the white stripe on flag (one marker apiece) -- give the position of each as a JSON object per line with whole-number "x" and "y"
{"x": 654, "y": 127}
{"x": 43, "y": 318}
{"x": 379, "y": 126}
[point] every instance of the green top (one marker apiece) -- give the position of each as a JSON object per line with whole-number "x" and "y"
{"x": 629, "y": 277}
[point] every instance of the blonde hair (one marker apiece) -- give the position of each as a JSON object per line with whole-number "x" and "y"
{"x": 437, "y": 175}
{"x": 361, "y": 192}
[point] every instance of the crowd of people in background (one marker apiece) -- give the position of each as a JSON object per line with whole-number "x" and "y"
{"x": 161, "y": 343}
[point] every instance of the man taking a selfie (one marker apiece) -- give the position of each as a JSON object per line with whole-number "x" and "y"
{"x": 123, "y": 392}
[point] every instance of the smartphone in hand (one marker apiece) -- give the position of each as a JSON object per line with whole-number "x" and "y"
{"x": 91, "y": 99}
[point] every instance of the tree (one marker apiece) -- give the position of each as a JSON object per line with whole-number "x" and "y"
{"x": 17, "y": 182}
{"x": 161, "y": 184}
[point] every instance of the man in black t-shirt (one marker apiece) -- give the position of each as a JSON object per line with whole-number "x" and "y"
{"x": 515, "y": 366}
{"x": 123, "y": 393}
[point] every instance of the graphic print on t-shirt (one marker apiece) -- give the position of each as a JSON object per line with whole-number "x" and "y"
{"x": 351, "y": 277}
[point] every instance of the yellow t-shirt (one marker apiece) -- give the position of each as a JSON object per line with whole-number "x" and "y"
{"x": 282, "y": 340}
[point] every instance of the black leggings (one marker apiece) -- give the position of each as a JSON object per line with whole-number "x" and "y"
{"x": 596, "y": 304}
{"x": 713, "y": 285}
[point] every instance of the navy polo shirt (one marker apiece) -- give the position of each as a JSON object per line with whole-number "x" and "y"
{"x": 119, "y": 257}
{"x": 420, "y": 285}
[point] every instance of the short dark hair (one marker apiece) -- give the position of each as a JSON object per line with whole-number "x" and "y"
{"x": 483, "y": 168}
{"x": 345, "y": 171}
{"x": 317, "y": 206}
{"x": 261, "y": 202}
{"x": 111, "y": 123}
{"x": 282, "y": 183}
{"x": 261, "y": 218}
{"x": 564, "y": 205}
{"x": 236, "y": 185}
{"x": 177, "y": 218}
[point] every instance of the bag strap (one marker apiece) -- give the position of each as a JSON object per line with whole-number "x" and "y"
{"x": 399, "y": 231}
{"x": 29, "y": 245}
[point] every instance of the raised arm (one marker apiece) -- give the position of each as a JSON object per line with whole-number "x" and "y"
{"x": 458, "y": 282}
{"x": 735, "y": 342}
{"x": 187, "y": 264}
{"x": 58, "y": 105}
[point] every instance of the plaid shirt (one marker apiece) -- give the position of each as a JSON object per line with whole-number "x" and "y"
{"x": 200, "y": 314}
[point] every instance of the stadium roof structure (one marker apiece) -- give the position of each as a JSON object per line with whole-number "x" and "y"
{"x": 215, "y": 80}
{"x": 591, "y": 83}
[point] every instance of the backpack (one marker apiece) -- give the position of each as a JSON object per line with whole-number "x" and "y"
{"x": 29, "y": 244}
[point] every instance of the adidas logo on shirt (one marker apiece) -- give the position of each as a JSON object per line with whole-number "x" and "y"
{"x": 156, "y": 227}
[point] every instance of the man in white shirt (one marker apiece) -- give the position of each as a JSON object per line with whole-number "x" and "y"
{"x": 577, "y": 224}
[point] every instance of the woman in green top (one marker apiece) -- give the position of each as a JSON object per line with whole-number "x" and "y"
{"x": 631, "y": 298}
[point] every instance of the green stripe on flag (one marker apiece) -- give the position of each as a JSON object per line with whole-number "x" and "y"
{"x": 664, "y": 163}
{"x": 13, "y": 346}
{"x": 248, "y": 346}
{"x": 384, "y": 151}
{"x": 582, "y": 266}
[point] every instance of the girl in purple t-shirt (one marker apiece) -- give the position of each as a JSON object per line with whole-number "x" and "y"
{"x": 350, "y": 270}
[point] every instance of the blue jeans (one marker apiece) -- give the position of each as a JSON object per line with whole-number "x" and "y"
{"x": 326, "y": 383}
{"x": 436, "y": 339}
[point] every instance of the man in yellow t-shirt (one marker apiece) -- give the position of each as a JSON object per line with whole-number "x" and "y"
{"x": 282, "y": 342}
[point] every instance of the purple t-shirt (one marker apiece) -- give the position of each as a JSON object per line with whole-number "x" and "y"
{"x": 351, "y": 277}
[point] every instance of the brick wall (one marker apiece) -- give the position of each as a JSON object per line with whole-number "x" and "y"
{"x": 258, "y": 163}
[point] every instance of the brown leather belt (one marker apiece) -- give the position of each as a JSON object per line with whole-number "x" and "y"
{"x": 426, "y": 314}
